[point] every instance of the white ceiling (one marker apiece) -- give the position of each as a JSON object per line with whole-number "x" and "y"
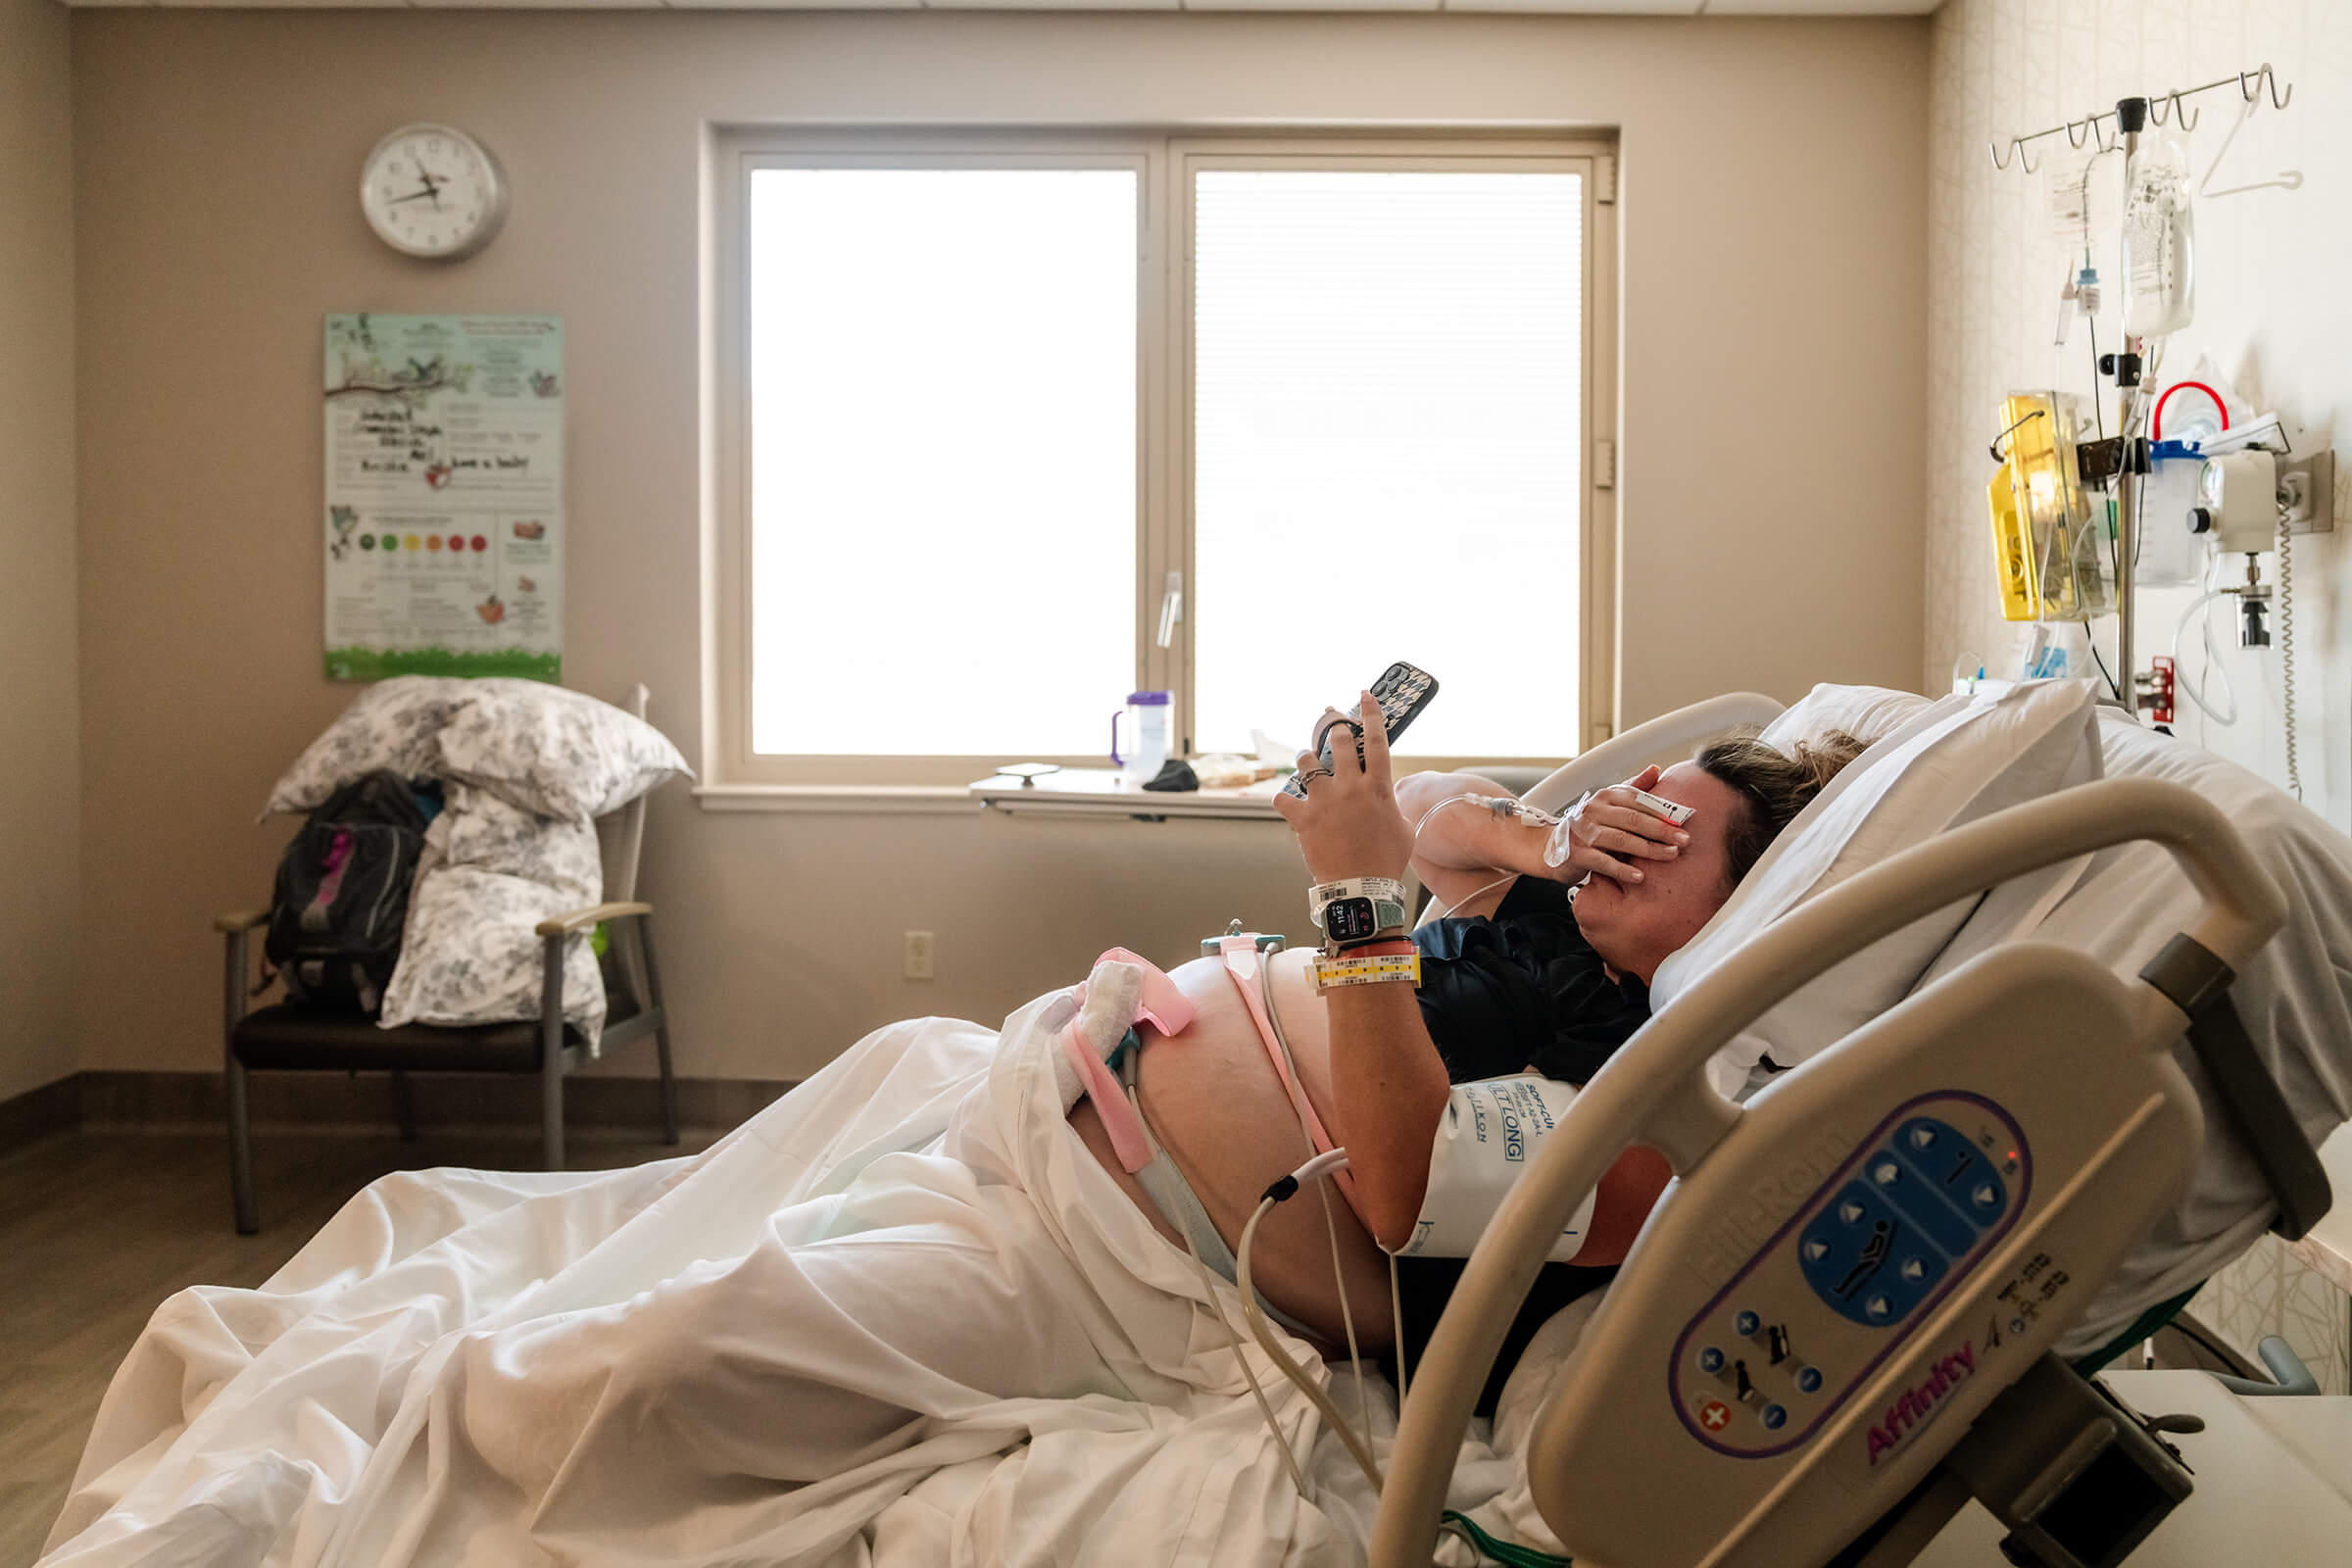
{"x": 1611, "y": 8}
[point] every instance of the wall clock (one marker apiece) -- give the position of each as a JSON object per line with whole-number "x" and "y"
{"x": 433, "y": 191}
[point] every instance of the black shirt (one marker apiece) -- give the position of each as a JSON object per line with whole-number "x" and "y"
{"x": 1498, "y": 996}
{"x": 1522, "y": 990}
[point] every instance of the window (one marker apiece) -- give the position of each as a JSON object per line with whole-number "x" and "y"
{"x": 1012, "y": 426}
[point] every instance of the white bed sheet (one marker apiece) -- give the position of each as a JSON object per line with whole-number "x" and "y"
{"x": 869, "y": 1287}
{"x": 2295, "y": 997}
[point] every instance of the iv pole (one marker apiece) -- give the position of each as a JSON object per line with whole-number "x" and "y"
{"x": 2128, "y": 365}
{"x": 2130, "y": 117}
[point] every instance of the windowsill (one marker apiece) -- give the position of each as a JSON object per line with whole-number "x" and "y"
{"x": 869, "y": 800}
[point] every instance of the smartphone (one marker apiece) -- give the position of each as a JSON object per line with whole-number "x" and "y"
{"x": 1402, "y": 692}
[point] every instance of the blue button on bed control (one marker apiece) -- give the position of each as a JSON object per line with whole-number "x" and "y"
{"x": 1808, "y": 1379}
{"x": 1774, "y": 1418}
{"x": 1747, "y": 1323}
{"x": 1853, "y": 1266}
{"x": 1710, "y": 1359}
{"x": 1949, "y": 1164}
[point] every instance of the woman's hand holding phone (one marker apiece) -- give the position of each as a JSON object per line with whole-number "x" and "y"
{"x": 1348, "y": 823}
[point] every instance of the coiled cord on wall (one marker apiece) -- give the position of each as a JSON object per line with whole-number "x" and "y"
{"x": 2286, "y": 643}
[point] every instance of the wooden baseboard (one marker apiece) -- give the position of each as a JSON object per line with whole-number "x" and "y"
{"x": 54, "y": 1108}
{"x": 325, "y": 1101}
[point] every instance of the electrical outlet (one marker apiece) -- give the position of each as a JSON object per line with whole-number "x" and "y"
{"x": 918, "y": 956}
{"x": 2307, "y": 485}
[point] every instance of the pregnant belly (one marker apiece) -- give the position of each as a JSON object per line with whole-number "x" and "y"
{"x": 1211, "y": 1095}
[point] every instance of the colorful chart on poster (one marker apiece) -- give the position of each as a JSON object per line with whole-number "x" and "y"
{"x": 444, "y": 516}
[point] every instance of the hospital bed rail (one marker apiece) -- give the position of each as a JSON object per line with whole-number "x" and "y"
{"x": 1655, "y": 1091}
{"x": 1620, "y": 756}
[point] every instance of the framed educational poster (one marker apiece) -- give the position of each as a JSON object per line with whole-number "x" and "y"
{"x": 444, "y": 518}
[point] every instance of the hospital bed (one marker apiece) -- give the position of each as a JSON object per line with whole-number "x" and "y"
{"x": 332, "y": 1415}
{"x": 1840, "y": 1323}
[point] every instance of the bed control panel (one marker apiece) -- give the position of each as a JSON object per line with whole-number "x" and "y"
{"x": 1885, "y": 1237}
{"x": 1877, "y": 1245}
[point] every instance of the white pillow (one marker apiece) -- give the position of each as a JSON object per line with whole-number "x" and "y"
{"x": 553, "y": 752}
{"x": 1866, "y": 712}
{"x": 1955, "y": 760}
{"x": 480, "y": 830}
{"x": 2294, "y": 995}
{"x": 470, "y": 955}
{"x": 392, "y": 724}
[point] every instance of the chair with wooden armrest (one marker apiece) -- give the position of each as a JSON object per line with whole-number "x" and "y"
{"x": 289, "y": 1036}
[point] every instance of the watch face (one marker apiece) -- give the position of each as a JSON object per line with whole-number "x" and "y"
{"x": 1349, "y": 919}
{"x": 432, "y": 191}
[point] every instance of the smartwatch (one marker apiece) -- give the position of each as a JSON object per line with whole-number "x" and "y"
{"x": 1357, "y": 908}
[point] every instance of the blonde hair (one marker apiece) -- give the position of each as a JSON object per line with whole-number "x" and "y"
{"x": 1774, "y": 785}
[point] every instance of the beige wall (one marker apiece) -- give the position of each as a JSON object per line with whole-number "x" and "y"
{"x": 40, "y": 779}
{"x": 1774, "y": 312}
{"x": 2272, "y": 311}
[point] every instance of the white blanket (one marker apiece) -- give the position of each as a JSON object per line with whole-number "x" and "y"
{"x": 900, "y": 1318}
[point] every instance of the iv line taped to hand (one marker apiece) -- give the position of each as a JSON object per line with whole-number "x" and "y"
{"x": 1503, "y": 808}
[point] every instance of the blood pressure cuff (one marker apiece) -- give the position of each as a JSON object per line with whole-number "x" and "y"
{"x": 1487, "y": 1135}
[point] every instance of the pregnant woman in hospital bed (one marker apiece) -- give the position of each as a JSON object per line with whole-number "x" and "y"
{"x": 901, "y": 1316}
{"x": 1518, "y": 977}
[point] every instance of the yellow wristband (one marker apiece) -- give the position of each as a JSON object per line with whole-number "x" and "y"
{"x": 1329, "y": 972}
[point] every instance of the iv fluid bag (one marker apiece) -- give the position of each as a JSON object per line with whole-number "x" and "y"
{"x": 2159, "y": 241}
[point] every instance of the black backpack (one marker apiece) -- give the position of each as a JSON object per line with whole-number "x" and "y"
{"x": 342, "y": 896}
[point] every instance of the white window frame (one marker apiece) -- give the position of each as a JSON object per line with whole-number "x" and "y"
{"x": 1165, "y": 161}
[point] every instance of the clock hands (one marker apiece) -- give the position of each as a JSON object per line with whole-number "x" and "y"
{"x": 432, "y": 188}
{"x": 458, "y": 183}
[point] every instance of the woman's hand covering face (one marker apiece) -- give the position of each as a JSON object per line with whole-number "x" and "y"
{"x": 1635, "y": 925}
{"x": 1610, "y": 832}
{"x": 1348, "y": 824}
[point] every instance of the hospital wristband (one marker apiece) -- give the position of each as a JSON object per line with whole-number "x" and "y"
{"x": 1331, "y": 973}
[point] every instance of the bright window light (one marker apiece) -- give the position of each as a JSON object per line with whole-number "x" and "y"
{"x": 942, "y": 458}
{"x": 1388, "y": 374}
